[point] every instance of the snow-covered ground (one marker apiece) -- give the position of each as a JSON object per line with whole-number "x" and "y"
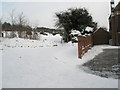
{"x": 48, "y": 64}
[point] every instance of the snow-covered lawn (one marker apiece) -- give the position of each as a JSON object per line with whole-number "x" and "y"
{"x": 48, "y": 64}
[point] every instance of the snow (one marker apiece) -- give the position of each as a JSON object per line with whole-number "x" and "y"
{"x": 89, "y": 29}
{"x": 46, "y": 41}
{"x": 74, "y": 32}
{"x": 41, "y": 64}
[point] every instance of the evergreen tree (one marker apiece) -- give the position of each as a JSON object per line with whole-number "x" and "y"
{"x": 74, "y": 19}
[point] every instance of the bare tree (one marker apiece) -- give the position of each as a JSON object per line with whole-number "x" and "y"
{"x": 21, "y": 19}
{"x": 13, "y": 17}
{"x": 22, "y": 23}
{"x": 13, "y": 22}
{"x": 19, "y": 23}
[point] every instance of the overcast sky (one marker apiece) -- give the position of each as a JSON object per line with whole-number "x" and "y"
{"x": 43, "y": 13}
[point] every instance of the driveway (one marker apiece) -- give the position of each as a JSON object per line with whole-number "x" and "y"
{"x": 105, "y": 64}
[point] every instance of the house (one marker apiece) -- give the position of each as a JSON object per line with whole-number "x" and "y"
{"x": 49, "y": 30}
{"x": 100, "y": 36}
{"x": 114, "y": 23}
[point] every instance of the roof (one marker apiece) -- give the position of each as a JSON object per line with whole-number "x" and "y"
{"x": 100, "y": 29}
{"x": 117, "y": 8}
{"x": 116, "y": 11}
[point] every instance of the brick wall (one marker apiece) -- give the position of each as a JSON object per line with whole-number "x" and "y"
{"x": 115, "y": 29}
{"x": 114, "y": 22}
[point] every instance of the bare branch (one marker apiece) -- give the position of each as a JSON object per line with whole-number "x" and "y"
{"x": 22, "y": 20}
{"x": 12, "y": 17}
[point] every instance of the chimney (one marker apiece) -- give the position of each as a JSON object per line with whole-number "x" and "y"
{"x": 112, "y": 6}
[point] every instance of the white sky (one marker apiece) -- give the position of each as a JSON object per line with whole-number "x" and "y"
{"x": 43, "y": 13}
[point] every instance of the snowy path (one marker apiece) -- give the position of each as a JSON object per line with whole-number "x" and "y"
{"x": 55, "y": 67}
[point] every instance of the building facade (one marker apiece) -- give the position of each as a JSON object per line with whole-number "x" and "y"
{"x": 114, "y": 23}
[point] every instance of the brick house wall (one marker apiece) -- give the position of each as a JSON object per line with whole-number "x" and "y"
{"x": 114, "y": 22}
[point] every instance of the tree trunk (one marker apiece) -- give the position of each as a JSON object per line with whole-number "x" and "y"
{"x": 66, "y": 36}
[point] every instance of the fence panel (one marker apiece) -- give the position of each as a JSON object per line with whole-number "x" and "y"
{"x": 84, "y": 44}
